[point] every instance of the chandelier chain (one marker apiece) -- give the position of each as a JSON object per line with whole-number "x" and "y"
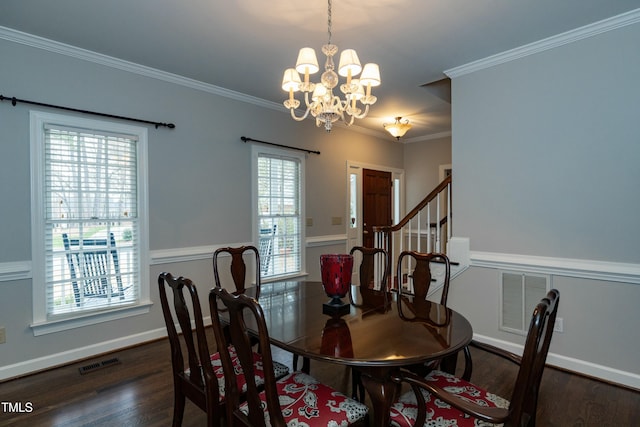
{"x": 329, "y": 20}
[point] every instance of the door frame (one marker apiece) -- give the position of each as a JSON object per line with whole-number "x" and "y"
{"x": 354, "y": 234}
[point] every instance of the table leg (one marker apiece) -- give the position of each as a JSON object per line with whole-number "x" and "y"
{"x": 448, "y": 363}
{"x": 382, "y": 391}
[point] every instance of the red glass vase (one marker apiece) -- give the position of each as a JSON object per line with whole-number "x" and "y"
{"x": 336, "y": 278}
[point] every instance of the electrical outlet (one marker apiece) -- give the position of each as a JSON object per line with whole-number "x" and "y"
{"x": 336, "y": 220}
{"x": 309, "y": 222}
{"x": 3, "y": 335}
{"x": 559, "y": 326}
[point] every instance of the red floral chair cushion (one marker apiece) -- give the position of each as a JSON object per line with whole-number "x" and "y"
{"x": 305, "y": 401}
{"x": 279, "y": 370}
{"x": 439, "y": 413}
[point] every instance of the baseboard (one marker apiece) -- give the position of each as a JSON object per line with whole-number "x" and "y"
{"x": 73, "y": 355}
{"x": 582, "y": 367}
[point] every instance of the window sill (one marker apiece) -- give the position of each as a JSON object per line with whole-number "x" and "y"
{"x": 284, "y": 277}
{"x": 52, "y": 326}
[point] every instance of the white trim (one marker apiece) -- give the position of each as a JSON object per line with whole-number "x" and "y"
{"x": 327, "y": 240}
{"x": 193, "y": 253}
{"x": 16, "y": 270}
{"x": 38, "y": 119}
{"x": 609, "y": 24}
{"x": 583, "y": 367}
{"x": 256, "y": 151}
{"x": 429, "y": 137}
{"x": 52, "y": 326}
{"x": 585, "y": 269}
{"x": 58, "y": 359}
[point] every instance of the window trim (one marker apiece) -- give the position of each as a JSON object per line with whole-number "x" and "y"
{"x": 256, "y": 150}
{"x": 41, "y": 324}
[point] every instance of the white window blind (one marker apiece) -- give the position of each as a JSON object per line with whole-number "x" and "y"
{"x": 91, "y": 222}
{"x": 279, "y": 214}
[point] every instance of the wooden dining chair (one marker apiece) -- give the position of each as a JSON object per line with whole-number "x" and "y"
{"x": 238, "y": 276}
{"x": 372, "y": 277}
{"x": 416, "y": 267}
{"x": 202, "y": 381}
{"x": 455, "y": 401}
{"x": 296, "y": 399}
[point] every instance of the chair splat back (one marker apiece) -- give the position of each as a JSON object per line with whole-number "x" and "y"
{"x": 373, "y": 263}
{"x": 238, "y": 267}
{"x": 421, "y": 276}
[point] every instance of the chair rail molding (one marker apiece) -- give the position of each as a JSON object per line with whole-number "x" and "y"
{"x": 327, "y": 240}
{"x": 580, "y": 268}
{"x": 16, "y": 270}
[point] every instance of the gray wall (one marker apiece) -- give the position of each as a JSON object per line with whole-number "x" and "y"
{"x": 545, "y": 156}
{"x": 199, "y": 181}
{"x": 422, "y": 162}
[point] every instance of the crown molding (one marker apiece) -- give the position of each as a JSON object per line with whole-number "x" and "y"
{"x": 609, "y": 24}
{"x": 428, "y": 137}
{"x": 109, "y": 61}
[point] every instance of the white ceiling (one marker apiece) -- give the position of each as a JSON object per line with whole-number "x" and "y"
{"x": 245, "y": 45}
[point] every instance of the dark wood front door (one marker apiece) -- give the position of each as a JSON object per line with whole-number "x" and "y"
{"x": 376, "y": 203}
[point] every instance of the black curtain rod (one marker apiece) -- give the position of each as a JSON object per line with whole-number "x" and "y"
{"x": 245, "y": 139}
{"x": 15, "y": 100}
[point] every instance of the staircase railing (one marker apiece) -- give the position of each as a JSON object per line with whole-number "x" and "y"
{"x": 426, "y": 228}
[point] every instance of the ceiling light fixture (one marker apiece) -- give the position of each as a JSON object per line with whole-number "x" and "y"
{"x": 326, "y": 107}
{"x": 398, "y": 128}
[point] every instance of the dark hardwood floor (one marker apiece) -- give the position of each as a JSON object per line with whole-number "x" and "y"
{"x": 138, "y": 392}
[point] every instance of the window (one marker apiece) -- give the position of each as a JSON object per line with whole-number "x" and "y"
{"x": 278, "y": 204}
{"x": 88, "y": 219}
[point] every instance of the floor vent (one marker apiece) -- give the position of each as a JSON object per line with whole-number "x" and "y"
{"x": 99, "y": 365}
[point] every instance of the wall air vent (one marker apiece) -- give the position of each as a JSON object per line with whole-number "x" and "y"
{"x": 520, "y": 292}
{"x": 98, "y": 365}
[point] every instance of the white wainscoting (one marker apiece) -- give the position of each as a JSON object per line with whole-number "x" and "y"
{"x": 579, "y": 268}
{"x": 601, "y": 270}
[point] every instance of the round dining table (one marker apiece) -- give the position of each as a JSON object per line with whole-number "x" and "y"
{"x": 378, "y": 334}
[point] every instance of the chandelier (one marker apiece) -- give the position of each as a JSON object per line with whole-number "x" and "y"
{"x": 319, "y": 98}
{"x": 398, "y": 128}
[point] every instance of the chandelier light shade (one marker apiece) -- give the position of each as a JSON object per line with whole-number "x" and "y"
{"x": 319, "y": 98}
{"x": 398, "y": 128}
